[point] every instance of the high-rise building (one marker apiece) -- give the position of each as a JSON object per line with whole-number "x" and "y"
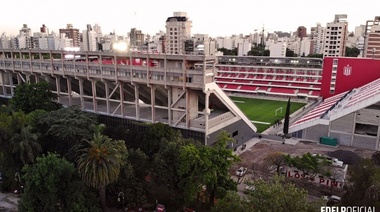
{"x": 317, "y": 35}
{"x": 44, "y": 29}
{"x": 137, "y": 38}
{"x": 178, "y": 30}
{"x": 372, "y": 38}
{"x": 301, "y": 32}
{"x": 71, "y": 33}
{"x": 25, "y": 31}
{"x": 89, "y": 39}
{"x": 335, "y": 37}
{"x": 5, "y": 42}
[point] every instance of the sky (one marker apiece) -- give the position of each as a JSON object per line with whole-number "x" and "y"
{"x": 212, "y": 17}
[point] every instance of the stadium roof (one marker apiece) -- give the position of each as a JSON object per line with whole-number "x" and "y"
{"x": 339, "y": 105}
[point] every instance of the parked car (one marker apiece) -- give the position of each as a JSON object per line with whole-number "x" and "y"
{"x": 332, "y": 198}
{"x": 241, "y": 171}
{"x": 250, "y": 188}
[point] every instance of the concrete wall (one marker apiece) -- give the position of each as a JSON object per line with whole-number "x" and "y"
{"x": 245, "y": 133}
{"x": 363, "y": 141}
{"x": 368, "y": 116}
{"x": 343, "y": 138}
{"x": 316, "y": 132}
{"x": 344, "y": 124}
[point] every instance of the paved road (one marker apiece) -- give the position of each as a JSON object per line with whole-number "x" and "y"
{"x": 8, "y": 202}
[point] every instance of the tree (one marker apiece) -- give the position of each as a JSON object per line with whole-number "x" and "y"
{"x": 258, "y": 50}
{"x": 63, "y": 129}
{"x": 315, "y": 55}
{"x": 32, "y": 96}
{"x": 276, "y": 195}
{"x": 287, "y": 117}
{"x": 310, "y": 165}
{"x": 204, "y": 170}
{"x": 154, "y": 135}
{"x": 275, "y": 160}
{"x": 26, "y": 145}
{"x": 232, "y": 202}
{"x": 352, "y": 52}
{"x": 51, "y": 184}
{"x": 290, "y": 53}
{"x": 228, "y": 51}
{"x": 101, "y": 161}
{"x": 365, "y": 188}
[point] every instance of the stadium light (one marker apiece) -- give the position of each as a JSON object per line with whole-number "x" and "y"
{"x": 120, "y": 46}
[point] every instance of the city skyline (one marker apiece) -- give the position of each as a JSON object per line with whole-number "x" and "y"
{"x": 214, "y": 18}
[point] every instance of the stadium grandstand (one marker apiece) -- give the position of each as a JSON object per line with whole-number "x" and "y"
{"x": 345, "y": 93}
{"x": 270, "y": 76}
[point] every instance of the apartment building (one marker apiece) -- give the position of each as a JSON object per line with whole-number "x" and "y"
{"x": 72, "y": 33}
{"x": 317, "y": 35}
{"x": 335, "y": 37}
{"x": 372, "y": 39}
{"x": 178, "y": 29}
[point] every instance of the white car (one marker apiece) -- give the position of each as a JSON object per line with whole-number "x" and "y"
{"x": 332, "y": 198}
{"x": 241, "y": 171}
{"x": 250, "y": 188}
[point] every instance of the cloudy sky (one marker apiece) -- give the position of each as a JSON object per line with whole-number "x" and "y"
{"x": 213, "y": 17}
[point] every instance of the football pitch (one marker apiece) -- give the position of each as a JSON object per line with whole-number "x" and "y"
{"x": 263, "y": 112}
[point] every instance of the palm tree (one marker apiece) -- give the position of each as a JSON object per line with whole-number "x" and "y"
{"x": 101, "y": 161}
{"x": 25, "y": 143}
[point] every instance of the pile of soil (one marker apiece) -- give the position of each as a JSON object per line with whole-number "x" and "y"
{"x": 348, "y": 157}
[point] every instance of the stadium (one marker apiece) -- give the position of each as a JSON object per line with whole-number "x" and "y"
{"x": 342, "y": 95}
{"x": 334, "y": 97}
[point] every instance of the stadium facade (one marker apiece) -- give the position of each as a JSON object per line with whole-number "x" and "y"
{"x": 178, "y": 90}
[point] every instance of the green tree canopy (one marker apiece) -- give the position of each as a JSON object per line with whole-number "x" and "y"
{"x": 258, "y": 50}
{"x": 51, "y": 184}
{"x": 278, "y": 196}
{"x": 365, "y": 188}
{"x": 63, "y": 129}
{"x": 101, "y": 161}
{"x": 32, "y": 96}
{"x": 309, "y": 164}
{"x": 232, "y": 202}
{"x": 352, "y": 52}
{"x": 228, "y": 51}
{"x": 290, "y": 53}
{"x": 204, "y": 170}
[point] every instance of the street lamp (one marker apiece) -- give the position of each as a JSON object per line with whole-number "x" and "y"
{"x": 18, "y": 179}
{"x": 121, "y": 194}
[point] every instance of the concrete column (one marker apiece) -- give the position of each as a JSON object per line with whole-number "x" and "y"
{"x": 353, "y": 129}
{"x": 3, "y": 84}
{"x": 58, "y": 86}
{"x": 137, "y": 97}
{"x": 153, "y": 102}
{"x": 94, "y": 102}
{"x": 121, "y": 99}
{"x": 107, "y": 97}
{"x": 69, "y": 91}
{"x": 80, "y": 82}
{"x": 206, "y": 114}
{"x": 169, "y": 89}
{"x": 11, "y": 83}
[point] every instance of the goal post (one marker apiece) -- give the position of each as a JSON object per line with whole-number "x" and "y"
{"x": 278, "y": 109}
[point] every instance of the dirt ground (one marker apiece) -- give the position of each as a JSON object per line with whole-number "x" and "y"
{"x": 258, "y": 152}
{"x": 253, "y": 159}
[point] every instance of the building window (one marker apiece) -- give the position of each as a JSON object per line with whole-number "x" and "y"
{"x": 235, "y": 133}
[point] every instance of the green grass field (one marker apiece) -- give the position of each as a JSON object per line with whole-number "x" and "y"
{"x": 263, "y": 110}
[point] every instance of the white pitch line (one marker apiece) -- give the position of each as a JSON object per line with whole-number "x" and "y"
{"x": 260, "y": 122}
{"x": 238, "y": 101}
